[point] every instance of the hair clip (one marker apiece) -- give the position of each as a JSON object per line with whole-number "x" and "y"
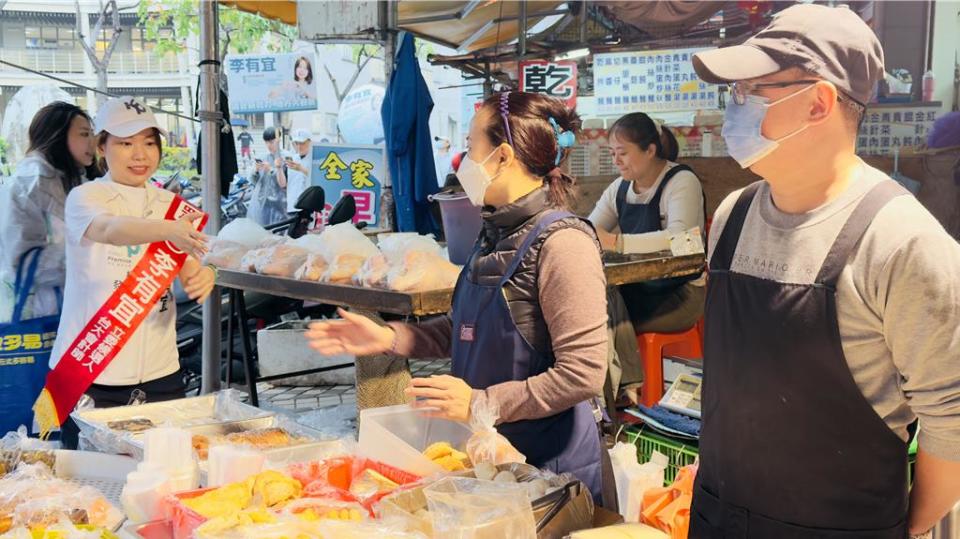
{"x": 504, "y": 112}
{"x": 565, "y": 139}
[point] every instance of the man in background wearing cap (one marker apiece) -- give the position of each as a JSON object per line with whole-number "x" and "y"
{"x": 833, "y": 309}
{"x": 268, "y": 202}
{"x": 298, "y": 168}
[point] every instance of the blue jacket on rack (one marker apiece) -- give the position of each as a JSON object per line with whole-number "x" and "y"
{"x": 406, "y": 115}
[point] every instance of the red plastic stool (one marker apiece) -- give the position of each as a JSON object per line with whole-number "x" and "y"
{"x": 687, "y": 344}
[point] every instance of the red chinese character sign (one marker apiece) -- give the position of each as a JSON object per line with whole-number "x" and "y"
{"x": 357, "y": 170}
{"x": 556, "y": 79}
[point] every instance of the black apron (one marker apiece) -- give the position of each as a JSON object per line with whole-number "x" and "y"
{"x": 643, "y": 218}
{"x": 790, "y": 448}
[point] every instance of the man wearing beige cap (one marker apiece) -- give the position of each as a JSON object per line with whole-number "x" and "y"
{"x": 833, "y": 307}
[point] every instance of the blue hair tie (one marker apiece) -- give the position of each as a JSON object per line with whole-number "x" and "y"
{"x": 565, "y": 139}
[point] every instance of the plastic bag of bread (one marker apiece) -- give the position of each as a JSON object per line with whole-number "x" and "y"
{"x": 225, "y": 254}
{"x": 253, "y": 257}
{"x": 373, "y": 273}
{"x": 281, "y": 260}
{"x": 421, "y": 270}
{"x": 312, "y": 269}
{"x": 345, "y": 249}
{"x": 486, "y": 445}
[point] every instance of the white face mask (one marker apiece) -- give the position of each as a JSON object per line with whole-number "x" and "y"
{"x": 742, "y": 129}
{"x": 475, "y": 179}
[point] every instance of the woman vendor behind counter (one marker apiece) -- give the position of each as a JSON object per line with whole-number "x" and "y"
{"x": 527, "y": 330}
{"x": 653, "y": 199}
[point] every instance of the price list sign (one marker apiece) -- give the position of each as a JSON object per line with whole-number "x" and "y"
{"x": 650, "y": 81}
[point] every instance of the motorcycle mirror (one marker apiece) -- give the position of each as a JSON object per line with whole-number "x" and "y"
{"x": 344, "y": 210}
{"x": 312, "y": 199}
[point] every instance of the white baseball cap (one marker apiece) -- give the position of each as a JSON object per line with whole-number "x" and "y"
{"x": 124, "y": 117}
{"x": 301, "y": 135}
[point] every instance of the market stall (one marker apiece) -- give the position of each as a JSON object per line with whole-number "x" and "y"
{"x": 619, "y": 270}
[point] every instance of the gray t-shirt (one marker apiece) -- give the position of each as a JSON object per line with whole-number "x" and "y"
{"x": 898, "y": 299}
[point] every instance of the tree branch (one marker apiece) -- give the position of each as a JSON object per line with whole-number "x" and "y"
{"x": 116, "y": 32}
{"x": 336, "y": 90}
{"x": 356, "y": 74}
{"x": 91, "y": 54}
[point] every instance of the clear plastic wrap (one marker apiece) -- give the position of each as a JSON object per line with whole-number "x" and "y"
{"x": 343, "y": 267}
{"x": 63, "y": 529}
{"x": 350, "y": 479}
{"x": 395, "y": 245}
{"x": 373, "y": 273}
{"x": 345, "y": 249}
{"x": 245, "y": 232}
{"x": 18, "y": 447}
{"x": 312, "y": 269}
{"x": 254, "y": 257}
{"x": 225, "y": 254}
{"x": 420, "y": 271}
{"x": 107, "y": 429}
{"x": 463, "y": 508}
{"x": 408, "y": 262}
{"x": 281, "y": 260}
{"x": 486, "y": 445}
{"x": 286, "y": 527}
{"x": 31, "y": 496}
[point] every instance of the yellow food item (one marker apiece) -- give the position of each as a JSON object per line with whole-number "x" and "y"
{"x": 450, "y": 464}
{"x": 273, "y": 487}
{"x": 270, "y": 488}
{"x": 227, "y": 522}
{"x": 437, "y": 450}
{"x": 223, "y": 501}
{"x": 444, "y": 455}
{"x": 309, "y": 515}
{"x": 344, "y": 514}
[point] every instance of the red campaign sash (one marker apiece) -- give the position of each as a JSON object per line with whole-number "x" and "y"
{"x": 106, "y": 333}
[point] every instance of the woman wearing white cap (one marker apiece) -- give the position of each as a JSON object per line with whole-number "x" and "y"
{"x": 126, "y": 241}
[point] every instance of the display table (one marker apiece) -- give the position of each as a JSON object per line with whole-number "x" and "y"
{"x": 619, "y": 269}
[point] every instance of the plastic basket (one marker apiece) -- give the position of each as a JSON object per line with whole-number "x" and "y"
{"x": 682, "y": 454}
{"x": 679, "y": 452}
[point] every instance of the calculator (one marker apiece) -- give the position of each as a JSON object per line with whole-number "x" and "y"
{"x": 683, "y": 397}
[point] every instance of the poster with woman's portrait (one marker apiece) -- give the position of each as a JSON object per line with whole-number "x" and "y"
{"x": 272, "y": 82}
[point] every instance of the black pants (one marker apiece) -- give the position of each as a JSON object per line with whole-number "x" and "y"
{"x": 162, "y": 389}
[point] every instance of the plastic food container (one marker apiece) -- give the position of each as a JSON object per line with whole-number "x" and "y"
{"x": 397, "y": 435}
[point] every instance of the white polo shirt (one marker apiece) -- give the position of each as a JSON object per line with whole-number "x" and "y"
{"x": 95, "y": 270}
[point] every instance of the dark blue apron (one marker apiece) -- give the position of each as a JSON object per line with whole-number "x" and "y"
{"x": 488, "y": 349}
{"x": 643, "y": 218}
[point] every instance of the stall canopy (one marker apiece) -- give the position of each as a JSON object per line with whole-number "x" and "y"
{"x": 468, "y": 26}
{"x": 488, "y": 38}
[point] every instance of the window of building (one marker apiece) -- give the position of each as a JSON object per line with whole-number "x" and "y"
{"x": 140, "y": 42}
{"x": 48, "y": 37}
{"x": 104, "y": 39}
